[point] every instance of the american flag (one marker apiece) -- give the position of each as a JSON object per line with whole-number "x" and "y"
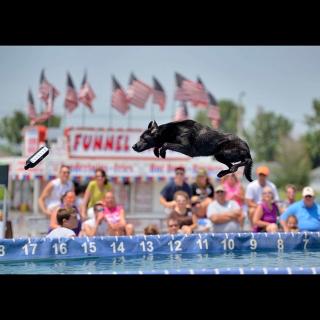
{"x": 45, "y": 87}
{"x": 71, "y": 99}
{"x": 214, "y": 111}
{"x": 31, "y": 108}
{"x": 138, "y": 92}
{"x": 181, "y": 94}
{"x": 181, "y": 112}
{"x": 86, "y": 94}
{"x": 200, "y": 97}
{"x": 49, "y": 106}
{"x": 159, "y": 96}
{"x": 119, "y": 98}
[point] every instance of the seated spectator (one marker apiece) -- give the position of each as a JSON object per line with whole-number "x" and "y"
{"x": 265, "y": 216}
{"x": 290, "y": 197}
{"x": 254, "y": 189}
{"x": 98, "y": 225}
{"x": 67, "y": 220}
{"x": 173, "y": 226}
{"x": 202, "y": 193}
{"x": 226, "y": 215}
{"x": 68, "y": 201}
{"x": 307, "y": 212}
{"x": 115, "y": 216}
{"x": 151, "y": 229}
{"x": 182, "y": 213}
{"x": 178, "y": 184}
{"x": 292, "y": 224}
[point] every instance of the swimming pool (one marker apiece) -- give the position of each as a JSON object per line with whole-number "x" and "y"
{"x": 240, "y": 253}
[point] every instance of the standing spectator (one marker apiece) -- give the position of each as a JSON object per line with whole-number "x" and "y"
{"x": 290, "y": 197}
{"x": 182, "y": 213}
{"x": 265, "y": 216}
{"x": 51, "y": 195}
{"x": 253, "y": 194}
{"x": 234, "y": 189}
{"x": 178, "y": 184}
{"x": 115, "y": 216}
{"x": 202, "y": 193}
{"x": 95, "y": 192}
{"x": 67, "y": 220}
{"x": 307, "y": 212}
{"x": 226, "y": 215}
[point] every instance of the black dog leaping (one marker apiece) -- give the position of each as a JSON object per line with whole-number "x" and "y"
{"x": 195, "y": 140}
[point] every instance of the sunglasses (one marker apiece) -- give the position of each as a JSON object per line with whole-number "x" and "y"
{"x": 180, "y": 173}
{"x": 99, "y": 209}
{"x": 66, "y": 172}
{"x": 309, "y": 197}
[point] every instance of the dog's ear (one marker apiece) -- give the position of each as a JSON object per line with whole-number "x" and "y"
{"x": 154, "y": 127}
{"x": 150, "y": 124}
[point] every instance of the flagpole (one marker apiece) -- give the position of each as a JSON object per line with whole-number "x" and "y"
{"x": 110, "y": 117}
{"x": 152, "y": 111}
{"x": 83, "y": 116}
{"x": 129, "y": 119}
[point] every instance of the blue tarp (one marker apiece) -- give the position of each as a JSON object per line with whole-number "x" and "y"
{"x": 67, "y": 248}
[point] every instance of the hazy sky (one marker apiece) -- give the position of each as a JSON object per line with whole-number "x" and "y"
{"x": 283, "y": 79}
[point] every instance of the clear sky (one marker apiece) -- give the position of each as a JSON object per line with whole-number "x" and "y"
{"x": 283, "y": 79}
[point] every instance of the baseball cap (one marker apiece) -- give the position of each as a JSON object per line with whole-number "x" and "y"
{"x": 179, "y": 169}
{"x": 307, "y": 191}
{"x": 263, "y": 170}
{"x": 219, "y": 188}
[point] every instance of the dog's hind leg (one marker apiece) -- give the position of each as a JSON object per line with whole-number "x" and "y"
{"x": 222, "y": 159}
{"x": 175, "y": 147}
{"x": 156, "y": 152}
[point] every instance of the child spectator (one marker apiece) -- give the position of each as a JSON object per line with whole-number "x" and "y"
{"x": 151, "y": 229}
{"x": 292, "y": 223}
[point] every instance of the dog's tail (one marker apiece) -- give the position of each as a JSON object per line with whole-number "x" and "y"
{"x": 247, "y": 169}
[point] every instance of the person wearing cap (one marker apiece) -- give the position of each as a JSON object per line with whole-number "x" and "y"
{"x": 254, "y": 191}
{"x": 202, "y": 193}
{"x": 178, "y": 184}
{"x": 307, "y": 212}
{"x": 226, "y": 215}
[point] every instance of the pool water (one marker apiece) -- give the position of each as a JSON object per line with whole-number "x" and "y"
{"x": 166, "y": 263}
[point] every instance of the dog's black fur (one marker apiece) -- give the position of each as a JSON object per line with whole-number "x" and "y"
{"x": 195, "y": 140}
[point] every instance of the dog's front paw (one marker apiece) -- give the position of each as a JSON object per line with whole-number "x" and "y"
{"x": 156, "y": 152}
{"x": 163, "y": 153}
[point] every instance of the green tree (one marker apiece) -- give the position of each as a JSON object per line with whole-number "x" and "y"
{"x": 264, "y": 137}
{"x": 202, "y": 117}
{"x": 294, "y": 163}
{"x": 229, "y": 112}
{"x": 312, "y": 137}
{"x": 10, "y": 127}
{"x": 53, "y": 122}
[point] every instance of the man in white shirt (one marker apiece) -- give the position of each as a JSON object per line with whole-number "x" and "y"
{"x": 254, "y": 190}
{"x": 226, "y": 215}
{"x": 67, "y": 220}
